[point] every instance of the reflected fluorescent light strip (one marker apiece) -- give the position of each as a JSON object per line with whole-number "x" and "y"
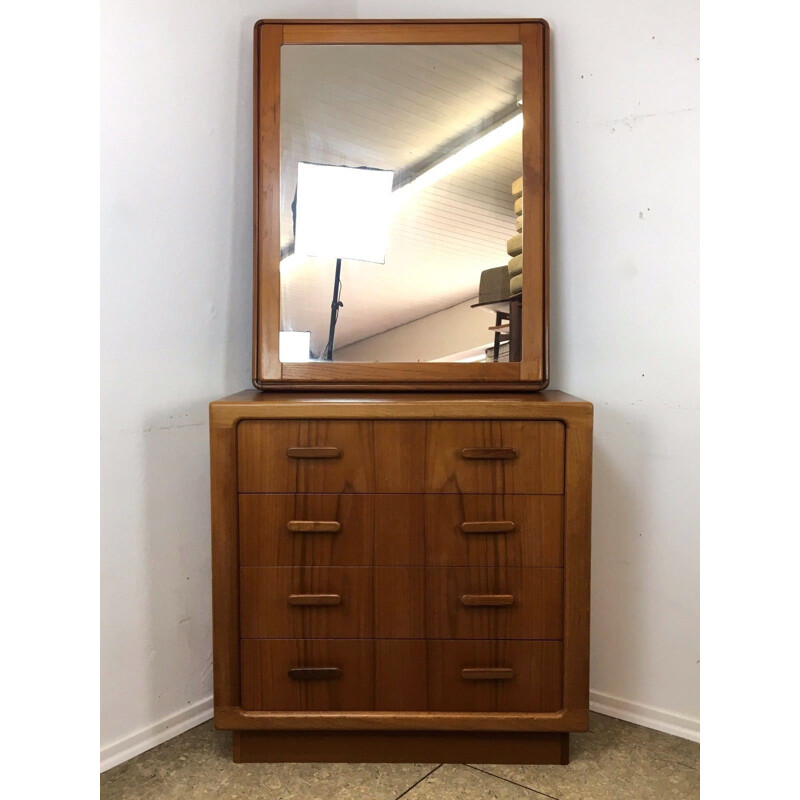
{"x": 455, "y": 161}
{"x": 448, "y": 165}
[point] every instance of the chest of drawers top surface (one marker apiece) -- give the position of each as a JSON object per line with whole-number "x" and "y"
{"x": 249, "y": 404}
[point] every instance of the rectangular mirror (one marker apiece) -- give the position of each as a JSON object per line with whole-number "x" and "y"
{"x": 392, "y": 162}
{"x": 421, "y": 146}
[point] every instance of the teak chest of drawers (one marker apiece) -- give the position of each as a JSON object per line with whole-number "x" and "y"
{"x": 401, "y": 577}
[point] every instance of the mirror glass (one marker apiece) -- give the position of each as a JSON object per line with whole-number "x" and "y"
{"x": 401, "y": 226}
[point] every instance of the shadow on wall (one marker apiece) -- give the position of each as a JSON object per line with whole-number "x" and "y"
{"x": 556, "y": 298}
{"x": 174, "y": 546}
{"x": 240, "y": 274}
{"x": 175, "y": 560}
{"x": 619, "y": 630}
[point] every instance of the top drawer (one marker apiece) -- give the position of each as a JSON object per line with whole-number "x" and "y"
{"x": 476, "y": 456}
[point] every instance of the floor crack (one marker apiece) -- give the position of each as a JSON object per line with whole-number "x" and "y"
{"x": 508, "y": 780}
{"x": 417, "y": 783}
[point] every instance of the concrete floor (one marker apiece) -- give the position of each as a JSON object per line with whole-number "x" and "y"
{"x": 614, "y": 760}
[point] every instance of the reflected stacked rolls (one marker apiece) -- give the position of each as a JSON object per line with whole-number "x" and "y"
{"x": 514, "y": 245}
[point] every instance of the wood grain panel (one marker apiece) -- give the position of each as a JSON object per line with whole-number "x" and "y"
{"x": 398, "y": 527}
{"x": 535, "y": 685}
{"x": 402, "y": 33}
{"x": 266, "y": 201}
{"x": 399, "y": 455}
{"x": 402, "y": 602}
{"x": 266, "y": 540}
{"x": 535, "y": 214}
{"x": 535, "y": 540}
{"x": 562, "y": 720}
{"x": 401, "y": 404}
{"x": 396, "y": 375}
{"x": 267, "y": 613}
{"x": 402, "y": 456}
{"x": 389, "y": 524}
{"x": 404, "y": 747}
{"x": 538, "y": 467}
{"x": 536, "y": 612}
{"x": 399, "y": 602}
{"x": 401, "y": 675}
{"x": 224, "y": 565}
{"x": 265, "y": 466}
{"x": 577, "y": 563}
{"x": 267, "y": 686}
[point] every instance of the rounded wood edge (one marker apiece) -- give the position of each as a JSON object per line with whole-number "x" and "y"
{"x": 416, "y": 21}
{"x": 237, "y": 718}
{"x": 487, "y": 673}
{"x": 313, "y": 526}
{"x": 228, "y": 412}
{"x": 390, "y": 386}
{"x": 487, "y": 600}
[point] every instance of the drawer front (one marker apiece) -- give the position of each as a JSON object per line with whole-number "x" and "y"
{"x": 296, "y": 675}
{"x": 306, "y": 602}
{"x": 400, "y": 675}
{"x": 494, "y": 530}
{"x": 306, "y": 456}
{"x": 494, "y": 603}
{"x": 494, "y": 676}
{"x": 334, "y": 675}
{"x": 485, "y": 457}
{"x": 401, "y": 603}
{"x": 396, "y": 530}
{"x": 332, "y": 602}
{"x": 330, "y": 530}
{"x": 493, "y": 457}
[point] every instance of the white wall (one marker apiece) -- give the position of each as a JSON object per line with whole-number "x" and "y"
{"x": 176, "y": 319}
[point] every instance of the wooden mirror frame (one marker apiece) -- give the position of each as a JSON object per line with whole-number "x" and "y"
{"x": 532, "y": 372}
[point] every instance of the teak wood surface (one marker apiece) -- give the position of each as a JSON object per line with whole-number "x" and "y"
{"x": 401, "y": 676}
{"x": 400, "y": 746}
{"x": 457, "y": 530}
{"x": 531, "y": 373}
{"x": 402, "y": 456}
{"x": 413, "y": 599}
{"x": 401, "y": 602}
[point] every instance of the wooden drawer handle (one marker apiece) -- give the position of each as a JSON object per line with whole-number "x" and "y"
{"x": 487, "y": 674}
{"x": 315, "y": 673}
{"x": 314, "y": 599}
{"x": 313, "y": 526}
{"x": 487, "y": 527}
{"x": 487, "y": 599}
{"x": 313, "y": 452}
{"x": 489, "y": 452}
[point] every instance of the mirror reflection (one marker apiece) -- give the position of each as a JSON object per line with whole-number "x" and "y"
{"x": 401, "y": 226}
